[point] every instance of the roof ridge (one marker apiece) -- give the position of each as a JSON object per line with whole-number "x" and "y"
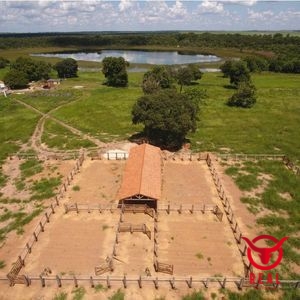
{"x": 142, "y": 167}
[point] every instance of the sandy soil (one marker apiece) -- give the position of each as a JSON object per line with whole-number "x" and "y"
{"x": 73, "y": 244}
{"x": 99, "y": 182}
{"x": 182, "y": 237}
{"x": 188, "y": 183}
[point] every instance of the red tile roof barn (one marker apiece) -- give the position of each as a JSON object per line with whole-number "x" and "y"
{"x": 142, "y": 174}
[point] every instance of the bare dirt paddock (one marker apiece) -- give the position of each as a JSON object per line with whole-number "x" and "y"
{"x": 73, "y": 244}
{"x": 198, "y": 244}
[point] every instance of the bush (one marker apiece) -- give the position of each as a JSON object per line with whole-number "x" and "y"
{"x": 114, "y": 70}
{"x": 3, "y": 62}
{"x": 15, "y": 79}
{"x": 244, "y": 97}
{"x": 67, "y": 68}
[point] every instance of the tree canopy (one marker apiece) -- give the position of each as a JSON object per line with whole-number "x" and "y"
{"x": 67, "y": 68}
{"x": 34, "y": 70}
{"x": 3, "y": 62}
{"x": 185, "y": 75}
{"x": 159, "y": 77}
{"x": 244, "y": 97}
{"x": 167, "y": 117}
{"x": 16, "y": 79}
{"x": 114, "y": 70}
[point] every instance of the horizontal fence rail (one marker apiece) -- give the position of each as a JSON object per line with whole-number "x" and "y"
{"x": 242, "y": 156}
{"x": 172, "y": 281}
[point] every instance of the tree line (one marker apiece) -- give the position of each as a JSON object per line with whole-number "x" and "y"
{"x": 282, "y": 51}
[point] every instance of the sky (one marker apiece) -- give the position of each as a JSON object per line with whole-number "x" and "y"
{"x": 128, "y": 15}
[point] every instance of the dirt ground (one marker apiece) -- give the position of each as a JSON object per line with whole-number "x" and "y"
{"x": 196, "y": 244}
{"x": 188, "y": 183}
{"x": 209, "y": 250}
{"x": 73, "y": 244}
{"x": 98, "y": 182}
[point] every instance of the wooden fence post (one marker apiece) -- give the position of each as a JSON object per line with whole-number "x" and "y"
{"x": 172, "y": 282}
{"x": 28, "y": 248}
{"x": 66, "y": 208}
{"x": 75, "y": 281}
{"x": 35, "y": 236}
{"x": 42, "y": 281}
{"x": 124, "y": 282}
{"x": 108, "y": 282}
{"x": 140, "y": 282}
{"x": 47, "y": 217}
{"x": 52, "y": 208}
{"x": 57, "y": 201}
{"x": 42, "y": 227}
{"x": 190, "y": 282}
{"x": 58, "y": 280}
{"x": 92, "y": 282}
{"x": 76, "y": 208}
{"x": 156, "y": 283}
{"x": 22, "y": 262}
{"x": 27, "y": 280}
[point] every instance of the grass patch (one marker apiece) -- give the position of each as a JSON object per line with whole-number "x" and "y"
{"x": 61, "y": 296}
{"x": 99, "y": 287}
{"x": 44, "y": 188}
{"x": 2, "y": 264}
{"x": 199, "y": 255}
{"x": 56, "y": 136}
{"x": 76, "y": 188}
{"x": 118, "y": 295}
{"x": 104, "y": 227}
{"x": 284, "y": 216}
{"x": 49, "y": 99}
{"x": 247, "y": 182}
{"x": 30, "y": 168}
{"x": 19, "y": 219}
{"x": 194, "y": 296}
{"x": 78, "y": 293}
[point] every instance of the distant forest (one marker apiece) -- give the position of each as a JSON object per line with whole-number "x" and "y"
{"x": 283, "y": 48}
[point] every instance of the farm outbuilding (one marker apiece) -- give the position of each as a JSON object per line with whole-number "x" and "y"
{"x": 141, "y": 183}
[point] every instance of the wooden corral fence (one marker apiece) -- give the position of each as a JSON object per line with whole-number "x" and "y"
{"x": 138, "y": 208}
{"x": 140, "y": 281}
{"x": 163, "y": 267}
{"x": 237, "y": 233}
{"x": 135, "y": 228}
{"x": 191, "y": 208}
{"x": 90, "y": 207}
{"x": 184, "y": 156}
{"x": 290, "y": 165}
{"x": 99, "y": 155}
{"x": 252, "y": 157}
{"x": 107, "y": 266}
{"x": 13, "y": 275}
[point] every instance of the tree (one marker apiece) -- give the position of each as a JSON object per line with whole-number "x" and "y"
{"x": 244, "y": 96}
{"x": 157, "y": 78}
{"x": 34, "y": 70}
{"x": 186, "y": 75}
{"x": 239, "y": 73}
{"x": 226, "y": 67}
{"x": 114, "y": 70}
{"x": 256, "y": 64}
{"x": 16, "y": 79}
{"x": 3, "y": 62}
{"x": 167, "y": 116}
{"x": 67, "y": 68}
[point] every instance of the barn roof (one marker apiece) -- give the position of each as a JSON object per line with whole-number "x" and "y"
{"x": 142, "y": 174}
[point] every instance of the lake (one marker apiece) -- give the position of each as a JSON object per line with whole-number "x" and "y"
{"x": 138, "y": 57}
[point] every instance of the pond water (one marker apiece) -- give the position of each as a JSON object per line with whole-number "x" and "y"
{"x": 138, "y": 57}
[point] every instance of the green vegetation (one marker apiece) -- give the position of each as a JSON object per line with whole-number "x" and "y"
{"x": 61, "y": 296}
{"x": 78, "y": 293}
{"x": 118, "y": 295}
{"x": 56, "y": 136}
{"x": 194, "y": 296}
{"x": 66, "y": 68}
{"x": 199, "y": 255}
{"x": 30, "y": 167}
{"x": 44, "y": 188}
{"x": 19, "y": 219}
{"x": 49, "y": 99}
{"x": 2, "y": 264}
{"x": 99, "y": 287}
{"x": 281, "y": 197}
{"x": 114, "y": 70}
{"x": 76, "y": 188}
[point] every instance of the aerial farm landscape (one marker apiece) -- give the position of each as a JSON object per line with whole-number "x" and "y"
{"x": 151, "y": 164}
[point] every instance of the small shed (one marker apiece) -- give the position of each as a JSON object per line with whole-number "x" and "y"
{"x": 141, "y": 182}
